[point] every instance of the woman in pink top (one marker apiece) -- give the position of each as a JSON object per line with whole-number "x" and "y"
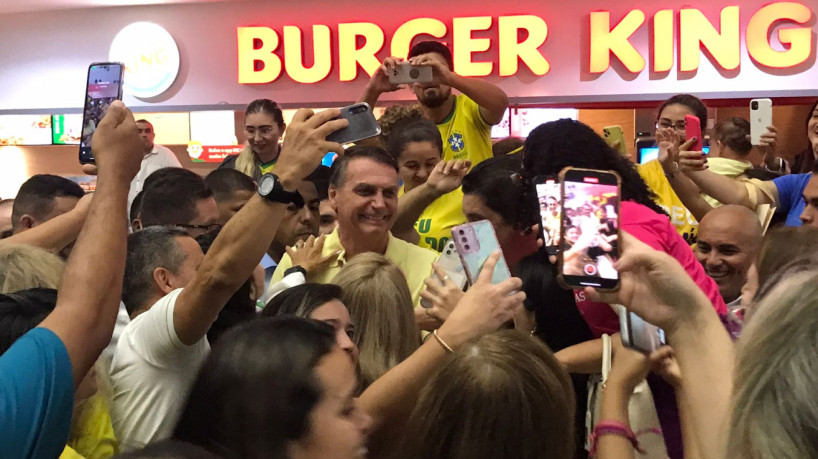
{"x": 554, "y": 146}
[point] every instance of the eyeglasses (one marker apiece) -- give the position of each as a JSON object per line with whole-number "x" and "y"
{"x": 667, "y": 124}
{"x": 206, "y": 228}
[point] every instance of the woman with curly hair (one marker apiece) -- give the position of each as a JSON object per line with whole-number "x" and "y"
{"x": 554, "y": 146}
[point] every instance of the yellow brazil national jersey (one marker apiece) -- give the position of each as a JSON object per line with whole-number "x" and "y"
{"x": 465, "y": 133}
{"x": 654, "y": 176}
{"x": 435, "y": 223}
{"x": 267, "y": 167}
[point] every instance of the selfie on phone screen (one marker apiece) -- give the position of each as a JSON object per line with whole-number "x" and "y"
{"x": 590, "y": 228}
{"x": 548, "y": 196}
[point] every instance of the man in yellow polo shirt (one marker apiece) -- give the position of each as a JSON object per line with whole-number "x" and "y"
{"x": 464, "y": 120}
{"x": 364, "y": 191}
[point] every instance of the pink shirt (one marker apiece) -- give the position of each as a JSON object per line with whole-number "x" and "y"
{"x": 656, "y": 231}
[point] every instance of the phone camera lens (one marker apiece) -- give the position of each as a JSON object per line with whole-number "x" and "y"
{"x": 461, "y": 232}
{"x": 448, "y": 252}
{"x": 466, "y": 247}
{"x": 414, "y": 74}
{"x": 754, "y": 106}
{"x": 463, "y": 239}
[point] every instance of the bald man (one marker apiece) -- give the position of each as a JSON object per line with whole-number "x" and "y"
{"x": 729, "y": 239}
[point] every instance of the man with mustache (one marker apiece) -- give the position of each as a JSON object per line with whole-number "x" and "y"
{"x": 464, "y": 120}
{"x": 729, "y": 240}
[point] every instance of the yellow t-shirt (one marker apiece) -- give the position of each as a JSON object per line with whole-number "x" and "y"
{"x": 654, "y": 176}
{"x": 729, "y": 168}
{"x": 434, "y": 226}
{"x": 414, "y": 261}
{"x": 465, "y": 133}
{"x": 92, "y": 435}
{"x": 268, "y": 167}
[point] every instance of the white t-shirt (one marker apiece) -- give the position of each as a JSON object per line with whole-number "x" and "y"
{"x": 159, "y": 158}
{"x": 151, "y": 375}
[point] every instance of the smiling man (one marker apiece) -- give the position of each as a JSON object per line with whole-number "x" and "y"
{"x": 729, "y": 239}
{"x": 364, "y": 192}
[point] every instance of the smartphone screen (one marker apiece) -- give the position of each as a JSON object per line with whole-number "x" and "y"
{"x": 104, "y": 86}
{"x": 590, "y": 228}
{"x": 548, "y": 197}
{"x": 475, "y": 242}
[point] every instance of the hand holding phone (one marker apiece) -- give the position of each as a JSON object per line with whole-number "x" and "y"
{"x": 761, "y": 116}
{"x": 362, "y": 124}
{"x": 615, "y": 137}
{"x": 590, "y": 228}
{"x": 449, "y": 263}
{"x": 475, "y": 242}
{"x": 104, "y": 85}
{"x": 693, "y": 128}
{"x": 638, "y": 334}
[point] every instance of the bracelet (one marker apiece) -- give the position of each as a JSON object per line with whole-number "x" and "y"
{"x": 613, "y": 428}
{"x": 673, "y": 174}
{"x": 442, "y": 343}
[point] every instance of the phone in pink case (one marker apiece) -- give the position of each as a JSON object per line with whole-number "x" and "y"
{"x": 475, "y": 242}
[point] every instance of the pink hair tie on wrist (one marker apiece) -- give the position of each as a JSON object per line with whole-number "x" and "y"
{"x": 618, "y": 428}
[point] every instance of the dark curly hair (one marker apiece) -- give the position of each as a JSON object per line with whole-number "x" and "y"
{"x": 553, "y": 146}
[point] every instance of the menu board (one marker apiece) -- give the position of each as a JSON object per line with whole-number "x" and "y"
{"x": 524, "y": 120}
{"x": 502, "y": 129}
{"x": 172, "y": 128}
{"x": 25, "y": 130}
{"x": 66, "y": 129}
{"x": 212, "y": 136}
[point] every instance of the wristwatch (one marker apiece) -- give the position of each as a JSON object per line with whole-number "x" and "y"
{"x": 271, "y": 189}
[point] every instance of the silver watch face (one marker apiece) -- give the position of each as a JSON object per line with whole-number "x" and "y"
{"x": 266, "y": 185}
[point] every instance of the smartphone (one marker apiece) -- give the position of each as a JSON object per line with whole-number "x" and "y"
{"x": 693, "y": 128}
{"x": 590, "y": 228}
{"x": 406, "y": 73}
{"x": 449, "y": 262}
{"x": 104, "y": 86}
{"x": 548, "y": 198}
{"x": 638, "y": 334}
{"x": 761, "y": 116}
{"x": 362, "y": 124}
{"x": 475, "y": 242}
{"x": 615, "y": 137}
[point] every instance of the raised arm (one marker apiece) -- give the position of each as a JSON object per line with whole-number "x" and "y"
{"x": 656, "y": 287}
{"x": 57, "y": 233}
{"x": 719, "y": 187}
{"x": 379, "y": 83}
{"x": 88, "y": 298}
{"x": 483, "y": 309}
{"x": 446, "y": 177}
{"x": 244, "y": 239}
{"x": 492, "y": 100}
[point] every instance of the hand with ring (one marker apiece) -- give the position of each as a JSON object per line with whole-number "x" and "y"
{"x": 441, "y": 292}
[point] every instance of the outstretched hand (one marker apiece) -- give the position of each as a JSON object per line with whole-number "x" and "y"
{"x": 305, "y": 142}
{"x": 447, "y": 176}
{"x": 484, "y": 307}
{"x": 116, "y": 144}
{"x": 309, "y": 254}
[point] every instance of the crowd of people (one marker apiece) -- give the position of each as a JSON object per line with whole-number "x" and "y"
{"x": 277, "y": 308}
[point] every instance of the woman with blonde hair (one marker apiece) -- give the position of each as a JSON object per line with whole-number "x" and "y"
{"x": 380, "y": 306}
{"x": 263, "y": 127}
{"x": 501, "y": 396}
{"x": 23, "y": 267}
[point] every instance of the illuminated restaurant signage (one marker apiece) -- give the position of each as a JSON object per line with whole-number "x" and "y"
{"x": 774, "y": 36}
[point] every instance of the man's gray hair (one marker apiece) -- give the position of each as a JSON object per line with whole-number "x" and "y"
{"x": 148, "y": 249}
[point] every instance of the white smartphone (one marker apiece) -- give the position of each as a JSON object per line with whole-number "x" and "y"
{"x": 406, "y": 73}
{"x": 761, "y": 116}
{"x": 449, "y": 262}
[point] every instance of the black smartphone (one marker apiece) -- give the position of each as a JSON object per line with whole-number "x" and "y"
{"x": 548, "y": 198}
{"x": 103, "y": 87}
{"x": 362, "y": 124}
{"x": 589, "y": 224}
